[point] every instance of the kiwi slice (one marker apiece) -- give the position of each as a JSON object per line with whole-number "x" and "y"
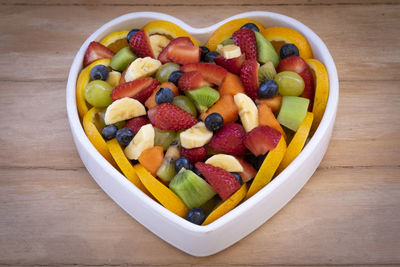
{"x": 265, "y": 51}
{"x": 293, "y": 111}
{"x": 266, "y": 72}
{"x": 163, "y": 138}
{"x": 167, "y": 169}
{"x": 122, "y": 59}
{"x": 192, "y": 189}
{"x": 203, "y": 97}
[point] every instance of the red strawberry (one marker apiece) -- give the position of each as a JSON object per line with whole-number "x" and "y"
{"x": 211, "y": 72}
{"x": 136, "y": 123}
{"x": 249, "y": 76}
{"x": 262, "y": 139}
{"x": 180, "y": 41}
{"x": 191, "y": 80}
{"x": 194, "y": 154}
{"x": 139, "y": 89}
{"x": 248, "y": 172}
{"x": 184, "y": 54}
{"x": 151, "y": 113}
{"x": 309, "y": 87}
{"x": 223, "y": 182}
{"x": 233, "y": 64}
{"x": 140, "y": 44}
{"x": 96, "y": 51}
{"x": 171, "y": 117}
{"x": 246, "y": 40}
{"x": 229, "y": 139}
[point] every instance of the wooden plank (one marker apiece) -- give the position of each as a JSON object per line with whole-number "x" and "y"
{"x": 354, "y": 39}
{"x": 56, "y": 217}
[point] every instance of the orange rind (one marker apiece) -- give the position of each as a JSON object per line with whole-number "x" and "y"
{"x": 168, "y": 29}
{"x": 116, "y": 40}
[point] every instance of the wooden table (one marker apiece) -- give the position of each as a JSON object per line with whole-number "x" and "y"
{"x": 53, "y": 213}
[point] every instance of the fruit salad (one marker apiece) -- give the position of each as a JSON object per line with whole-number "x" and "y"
{"x": 201, "y": 128}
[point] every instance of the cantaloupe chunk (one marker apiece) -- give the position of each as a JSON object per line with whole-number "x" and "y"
{"x": 274, "y": 103}
{"x": 151, "y": 101}
{"x": 152, "y": 158}
{"x": 226, "y": 107}
{"x": 267, "y": 117}
{"x": 231, "y": 85}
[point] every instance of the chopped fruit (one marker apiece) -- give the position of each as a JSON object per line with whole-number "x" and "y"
{"x": 109, "y": 132}
{"x": 191, "y": 80}
{"x": 309, "y": 87}
{"x": 289, "y": 83}
{"x": 262, "y": 139}
{"x": 165, "y": 71}
{"x": 196, "y": 136}
{"x": 249, "y": 76}
{"x": 267, "y": 117}
{"x": 293, "y": 111}
{"x": 130, "y": 34}
{"x": 214, "y": 122}
{"x": 226, "y": 107}
{"x": 158, "y": 42}
{"x": 124, "y": 136}
{"x": 194, "y": 154}
{"x": 210, "y": 57}
{"x": 248, "y": 172}
{"x": 266, "y": 72}
{"x": 226, "y": 162}
{"x": 167, "y": 169}
{"x": 167, "y": 28}
{"x": 141, "y": 67}
{"x": 238, "y": 177}
{"x": 163, "y": 194}
{"x": 152, "y": 158}
{"x": 99, "y": 72}
{"x": 164, "y": 95}
{"x": 96, "y": 51}
{"x": 274, "y": 103}
{"x": 163, "y": 138}
{"x": 122, "y": 59}
{"x": 265, "y": 50}
{"x": 223, "y": 182}
{"x": 268, "y": 168}
{"x": 268, "y": 89}
{"x": 97, "y": 93}
{"x": 151, "y": 101}
{"x": 227, "y": 205}
{"x": 113, "y": 78}
{"x": 231, "y": 85}
{"x": 184, "y": 54}
{"x": 185, "y": 103}
{"x": 175, "y": 76}
{"x": 247, "y": 111}
{"x": 192, "y": 189}
{"x": 140, "y": 44}
{"x": 171, "y": 117}
{"x": 139, "y": 89}
{"x": 203, "y": 97}
{"x": 143, "y": 140}
{"x": 136, "y": 123}
{"x": 232, "y": 65}
{"x": 229, "y": 51}
{"x": 246, "y": 40}
{"x": 203, "y": 52}
{"x": 183, "y": 162}
{"x": 229, "y": 139}
{"x": 288, "y": 50}
{"x": 196, "y": 216}
{"x": 123, "y": 109}
{"x": 164, "y": 56}
{"x": 250, "y": 26}
{"x": 211, "y": 72}
{"x": 115, "y": 41}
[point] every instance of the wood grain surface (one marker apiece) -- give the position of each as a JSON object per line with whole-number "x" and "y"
{"x": 52, "y": 213}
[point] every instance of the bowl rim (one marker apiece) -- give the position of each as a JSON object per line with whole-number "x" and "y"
{"x": 323, "y": 129}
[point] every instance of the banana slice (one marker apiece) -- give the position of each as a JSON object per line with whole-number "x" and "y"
{"x": 248, "y": 111}
{"x": 158, "y": 42}
{"x": 226, "y": 162}
{"x": 113, "y": 78}
{"x": 229, "y": 51}
{"x": 142, "y": 67}
{"x": 123, "y": 109}
{"x": 196, "y": 136}
{"x": 143, "y": 140}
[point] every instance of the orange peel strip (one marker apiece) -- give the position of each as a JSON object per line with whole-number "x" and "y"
{"x": 296, "y": 145}
{"x": 163, "y": 194}
{"x": 227, "y": 205}
{"x": 167, "y": 28}
{"x": 116, "y": 40}
{"x": 268, "y": 168}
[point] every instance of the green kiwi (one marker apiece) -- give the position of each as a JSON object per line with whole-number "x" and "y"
{"x": 191, "y": 188}
{"x": 163, "y": 138}
{"x": 266, "y": 72}
{"x": 203, "y": 97}
{"x": 122, "y": 59}
{"x": 167, "y": 169}
{"x": 265, "y": 51}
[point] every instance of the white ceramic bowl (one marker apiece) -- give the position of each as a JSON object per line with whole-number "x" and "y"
{"x": 190, "y": 238}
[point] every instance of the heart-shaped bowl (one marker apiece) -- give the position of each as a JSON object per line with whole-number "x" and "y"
{"x": 245, "y": 218}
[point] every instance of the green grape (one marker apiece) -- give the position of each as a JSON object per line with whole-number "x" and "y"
{"x": 99, "y": 121}
{"x": 290, "y": 83}
{"x": 185, "y": 103}
{"x": 97, "y": 93}
{"x": 163, "y": 138}
{"x": 165, "y": 70}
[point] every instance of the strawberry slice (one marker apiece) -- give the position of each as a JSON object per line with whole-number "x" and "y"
{"x": 96, "y": 51}
{"x": 136, "y": 123}
{"x": 223, "y": 182}
{"x": 139, "y": 89}
{"x": 246, "y": 40}
{"x": 191, "y": 80}
{"x": 180, "y": 41}
{"x": 140, "y": 44}
{"x": 248, "y": 172}
{"x": 194, "y": 154}
{"x": 229, "y": 139}
{"x": 249, "y": 76}
{"x": 232, "y": 65}
{"x": 168, "y": 116}
{"x": 184, "y": 54}
{"x": 262, "y": 139}
{"x": 211, "y": 72}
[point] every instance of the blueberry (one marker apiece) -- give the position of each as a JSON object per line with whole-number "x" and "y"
{"x": 209, "y": 57}
{"x": 175, "y": 76}
{"x": 124, "y": 136}
{"x": 268, "y": 89}
{"x": 109, "y": 132}
{"x": 164, "y": 95}
{"x": 204, "y": 50}
{"x": 289, "y": 50}
{"x": 238, "y": 177}
{"x": 183, "y": 162}
{"x": 251, "y": 26}
{"x": 99, "y": 72}
{"x": 196, "y": 216}
{"x": 131, "y": 33}
{"x": 214, "y": 122}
